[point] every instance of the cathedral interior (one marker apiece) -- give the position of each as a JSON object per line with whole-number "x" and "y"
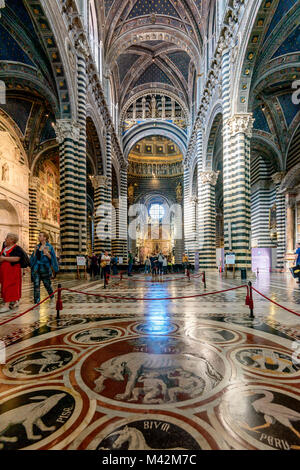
{"x": 153, "y": 126}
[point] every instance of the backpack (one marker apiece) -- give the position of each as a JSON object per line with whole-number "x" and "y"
{"x": 24, "y": 260}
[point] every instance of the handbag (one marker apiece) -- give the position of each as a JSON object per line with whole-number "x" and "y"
{"x": 295, "y": 270}
{"x": 24, "y": 260}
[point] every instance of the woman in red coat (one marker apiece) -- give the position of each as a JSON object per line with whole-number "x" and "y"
{"x": 10, "y": 273}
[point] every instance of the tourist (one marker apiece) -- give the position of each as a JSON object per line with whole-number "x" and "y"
{"x": 105, "y": 264}
{"x": 147, "y": 265}
{"x": 114, "y": 264}
{"x": 44, "y": 266}
{"x": 94, "y": 266}
{"x": 185, "y": 262}
{"x": 130, "y": 263}
{"x": 298, "y": 259}
{"x": 165, "y": 265}
{"x": 11, "y": 273}
{"x": 160, "y": 263}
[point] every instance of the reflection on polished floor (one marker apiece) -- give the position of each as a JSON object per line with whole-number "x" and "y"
{"x": 194, "y": 373}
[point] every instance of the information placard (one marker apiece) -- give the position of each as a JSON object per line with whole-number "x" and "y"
{"x": 230, "y": 258}
{"x": 81, "y": 261}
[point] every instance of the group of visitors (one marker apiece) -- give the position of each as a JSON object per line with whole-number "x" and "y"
{"x": 13, "y": 259}
{"x": 159, "y": 264}
{"x": 99, "y": 265}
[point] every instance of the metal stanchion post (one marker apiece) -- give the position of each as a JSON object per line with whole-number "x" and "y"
{"x": 59, "y": 305}
{"x": 251, "y": 304}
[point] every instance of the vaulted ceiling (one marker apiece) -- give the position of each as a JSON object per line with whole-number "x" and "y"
{"x": 154, "y": 44}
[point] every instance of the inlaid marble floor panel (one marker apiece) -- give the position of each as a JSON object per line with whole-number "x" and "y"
{"x": 188, "y": 374}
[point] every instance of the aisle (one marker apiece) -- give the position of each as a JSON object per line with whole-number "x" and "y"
{"x": 194, "y": 373}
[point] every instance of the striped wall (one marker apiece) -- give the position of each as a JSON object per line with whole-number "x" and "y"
{"x": 263, "y": 195}
{"x": 294, "y": 151}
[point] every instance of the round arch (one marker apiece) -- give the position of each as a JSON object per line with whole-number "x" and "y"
{"x": 154, "y": 128}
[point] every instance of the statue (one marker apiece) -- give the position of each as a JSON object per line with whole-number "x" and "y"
{"x": 131, "y": 193}
{"x": 5, "y": 173}
{"x": 179, "y": 192}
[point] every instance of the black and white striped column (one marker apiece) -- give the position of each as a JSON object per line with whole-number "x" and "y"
{"x": 68, "y": 134}
{"x": 189, "y": 216}
{"x": 82, "y": 54}
{"x": 101, "y": 210}
{"x": 34, "y": 184}
{"x": 207, "y": 219}
{"x": 237, "y": 192}
{"x": 280, "y": 220}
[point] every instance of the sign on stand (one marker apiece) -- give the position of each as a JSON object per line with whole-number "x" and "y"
{"x": 230, "y": 262}
{"x": 81, "y": 262}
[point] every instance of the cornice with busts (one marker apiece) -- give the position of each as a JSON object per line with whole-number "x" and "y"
{"x": 225, "y": 42}
{"x": 78, "y": 36}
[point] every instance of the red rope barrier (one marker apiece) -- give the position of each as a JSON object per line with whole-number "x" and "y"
{"x": 273, "y": 302}
{"x": 29, "y": 310}
{"x": 145, "y": 298}
{"x": 163, "y": 280}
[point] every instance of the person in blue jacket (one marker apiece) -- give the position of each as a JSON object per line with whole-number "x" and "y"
{"x": 43, "y": 264}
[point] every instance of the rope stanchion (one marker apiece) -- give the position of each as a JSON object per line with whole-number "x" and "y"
{"x": 273, "y": 302}
{"x": 250, "y": 302}
{"x": 59, "y": 304}
{"x": 156, "y": 298}
{"x": 204, "y": 279}
{"x": 29, "y": 310}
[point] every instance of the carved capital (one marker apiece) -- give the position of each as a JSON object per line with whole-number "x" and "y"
{"x": 116, "y": 203}
{"x": 66, "y": 128}
{"x": 241, "y": 123}
{"x": 210, "y": 177}
{"x": 278, "y": 177}
{"x": 99, "y": 181}
{"x": 82, "y": 47}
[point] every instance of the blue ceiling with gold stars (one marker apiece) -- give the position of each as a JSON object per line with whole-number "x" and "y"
{"x": 283, "y": 7}
{"x": 182, "y": 62}
{"x": 10, "y": 49}
{"x": 153, "y": 74}
{"x": 125, "y": 62}
{"x": 291, "y": 44}
{"x": 147, "y": 7}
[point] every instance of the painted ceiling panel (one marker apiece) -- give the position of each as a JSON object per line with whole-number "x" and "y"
{"x": 18, "y": 8}
{"x": 10, "y": 49}
{"x": 182, "y": 61}
{"x": 19, "y": 111}
{"x": 147, "y": 7}
{"x": 153, "y": 43}
{"x": 125, "y": 62}
{"x": 108, "y": 4}
{"x": 48, "y": 131}
{"x": 289, "y": 108}
{"x": 260, "y": 122}
{"x": 283, "y": 7}
{"x": 291, "y": 44}
{"x": 153, "y": 74}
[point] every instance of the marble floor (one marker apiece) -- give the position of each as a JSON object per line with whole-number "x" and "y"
{"x": 191, "y": 373}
